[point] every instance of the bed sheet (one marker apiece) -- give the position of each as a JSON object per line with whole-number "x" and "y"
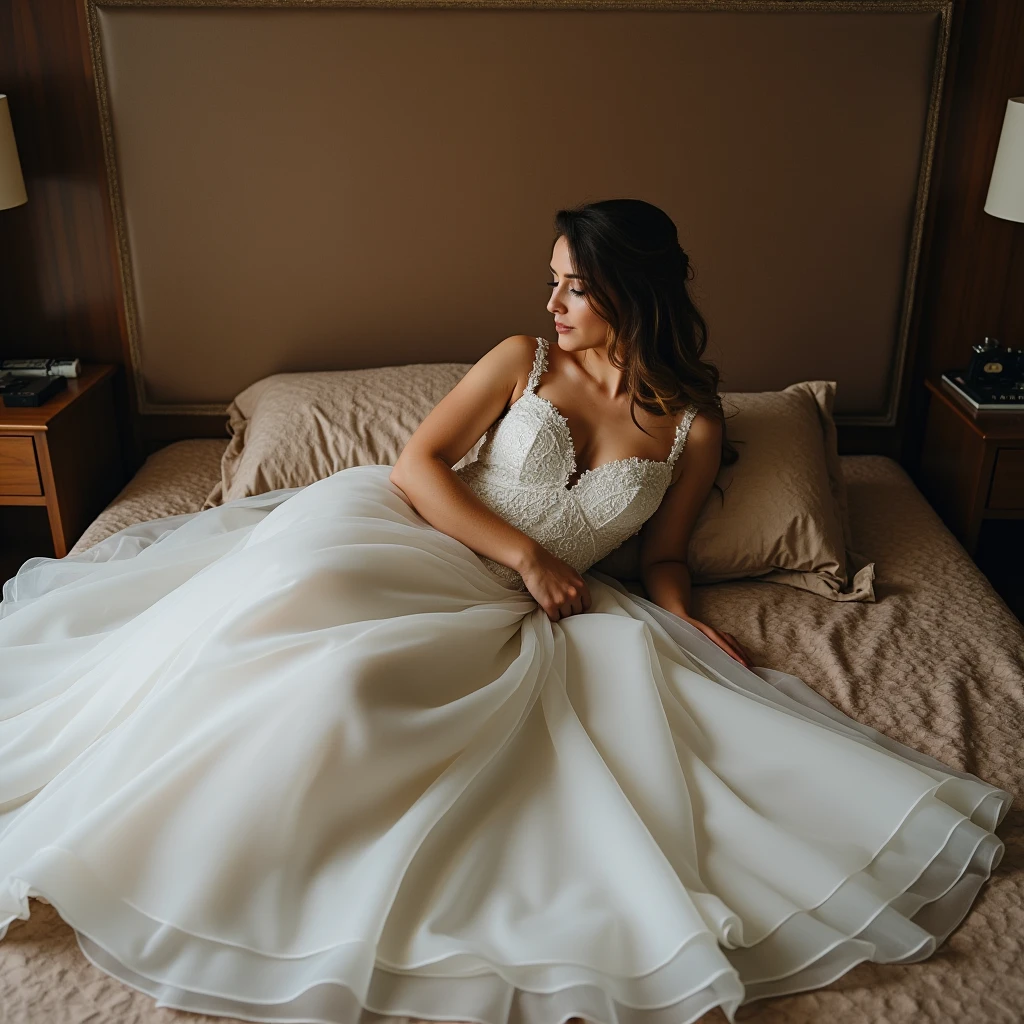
{"x": 937, "y": 662}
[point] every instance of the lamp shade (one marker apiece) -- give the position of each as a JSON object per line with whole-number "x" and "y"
{"x": 12, "y": 185}
{"x": 1006, "y": 188}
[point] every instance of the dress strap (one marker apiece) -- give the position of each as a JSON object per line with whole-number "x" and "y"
{"x": 681, "y": 431}
{"x": 540, "y": 364}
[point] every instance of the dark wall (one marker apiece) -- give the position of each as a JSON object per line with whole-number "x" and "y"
{"x": 974, "y": 282}
{"x": 60, "y": 290}
{"x": 60, "y": 284}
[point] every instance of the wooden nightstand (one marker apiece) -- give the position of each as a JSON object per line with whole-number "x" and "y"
{"x": 972, "y": 467}
{"x": 64, "y": 455}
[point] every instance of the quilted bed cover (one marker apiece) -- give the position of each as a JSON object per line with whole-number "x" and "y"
{"x": 937, "y": 662}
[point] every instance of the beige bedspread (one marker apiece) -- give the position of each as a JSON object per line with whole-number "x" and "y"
{"x": 937, "y": 662}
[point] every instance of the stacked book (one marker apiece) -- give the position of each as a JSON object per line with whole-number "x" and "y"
{"x": 1007, "y": 394}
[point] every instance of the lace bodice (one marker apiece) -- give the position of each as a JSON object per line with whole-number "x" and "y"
{"x": 524, "y": 466}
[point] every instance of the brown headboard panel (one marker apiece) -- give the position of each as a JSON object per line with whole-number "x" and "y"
{"x": 307, "y": 185}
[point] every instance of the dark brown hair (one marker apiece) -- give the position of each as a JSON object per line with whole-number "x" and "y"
{"x": 634, "y": 273}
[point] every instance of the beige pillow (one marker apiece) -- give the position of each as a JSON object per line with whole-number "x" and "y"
{"x": 292, "y": 429}
{"x": 784, "y": 515}
{"x": 784, "y": 518}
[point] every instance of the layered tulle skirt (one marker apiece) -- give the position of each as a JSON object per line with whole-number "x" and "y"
{"x": 304, "y": 757}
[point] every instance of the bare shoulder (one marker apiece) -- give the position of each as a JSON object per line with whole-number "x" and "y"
{"x": 702, "y": 452}
{"x": 513, "y": 358}
{"x": 705, "y": 432}
{"x": 515, "y": 353}
{"x": 520, "y": 345}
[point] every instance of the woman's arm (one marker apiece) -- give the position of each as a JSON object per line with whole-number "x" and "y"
{"x": 423, "y": 470}
{"x": 665, "y": 537}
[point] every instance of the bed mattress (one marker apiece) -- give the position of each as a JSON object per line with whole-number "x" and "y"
{"x": 937, "y": 662}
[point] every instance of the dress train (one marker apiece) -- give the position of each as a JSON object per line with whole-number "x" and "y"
{"x": 304, "y": 757}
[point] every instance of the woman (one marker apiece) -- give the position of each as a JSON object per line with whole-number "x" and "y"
{"x": 607, "y": 362}
{"x": 378, "y": 745}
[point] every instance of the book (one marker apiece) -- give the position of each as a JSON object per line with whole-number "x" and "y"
{"x": 1007, "y": 396}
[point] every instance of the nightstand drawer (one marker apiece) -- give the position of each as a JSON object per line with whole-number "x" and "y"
{"x": 18, "y": 471}
{"x": 1008, "y": 479}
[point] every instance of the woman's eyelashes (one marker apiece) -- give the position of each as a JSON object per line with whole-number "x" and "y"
{"x": 552, "y": 284}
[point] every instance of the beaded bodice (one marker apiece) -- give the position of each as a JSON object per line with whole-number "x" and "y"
{"x": 523, "y": 468}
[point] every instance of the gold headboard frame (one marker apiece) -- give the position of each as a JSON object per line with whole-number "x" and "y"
{"x": 943, "y": 8}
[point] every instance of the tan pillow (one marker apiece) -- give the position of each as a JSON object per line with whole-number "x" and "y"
{"x": 784, "y": 517}
{"x": 292, "y": 429}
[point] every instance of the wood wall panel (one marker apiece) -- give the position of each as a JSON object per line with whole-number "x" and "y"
{"x": 974, "y": 282}
{"x": 60, "y": 289}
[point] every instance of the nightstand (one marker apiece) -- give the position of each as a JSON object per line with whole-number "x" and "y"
{"x": 972, "y": 466}
{"x": 64, "y": 455}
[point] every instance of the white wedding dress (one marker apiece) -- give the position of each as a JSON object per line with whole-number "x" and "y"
{"x": 304, "y": 757}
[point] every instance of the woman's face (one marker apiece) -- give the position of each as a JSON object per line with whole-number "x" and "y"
{"x": 570, "y": 308}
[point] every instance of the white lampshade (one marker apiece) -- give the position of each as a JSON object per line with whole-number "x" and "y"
{"x": 1006, "y": 189}
{"x": 12, "y": 185}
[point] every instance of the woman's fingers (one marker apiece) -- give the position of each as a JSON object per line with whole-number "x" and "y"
{"x": 575, "y": 598}
{"x": 726, "y": 641}
{"x": 737, "y": 650}
{"x": 574, "y": 604}
{"x": 742, "y": 650}
{"x": 732, "y": 652}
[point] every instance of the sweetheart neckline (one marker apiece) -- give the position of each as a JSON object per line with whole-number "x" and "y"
{"x": 569, "y": 488}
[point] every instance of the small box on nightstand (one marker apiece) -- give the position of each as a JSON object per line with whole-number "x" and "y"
{"x": 64, "y": 455}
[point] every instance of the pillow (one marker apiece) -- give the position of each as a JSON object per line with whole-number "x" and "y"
{"x": 292, "y": 429}
{"x": 784, "y": 518}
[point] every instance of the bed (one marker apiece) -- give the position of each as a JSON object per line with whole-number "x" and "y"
{"x": 937, "y": 661}
{"x": 249, "y": 236}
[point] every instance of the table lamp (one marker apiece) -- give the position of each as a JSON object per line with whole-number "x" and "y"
{"x": 1006, "y": 200}
{"x": 12, "y": 185}
{"x": 1006, "y": 187}
{"x": 994, "y": 378}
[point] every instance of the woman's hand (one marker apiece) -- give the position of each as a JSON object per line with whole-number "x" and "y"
{"x": 726, "y": 641}
{"x": 557, "y": 587}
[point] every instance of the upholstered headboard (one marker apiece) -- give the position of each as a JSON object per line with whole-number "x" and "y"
{"x": 303, "y": 184}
